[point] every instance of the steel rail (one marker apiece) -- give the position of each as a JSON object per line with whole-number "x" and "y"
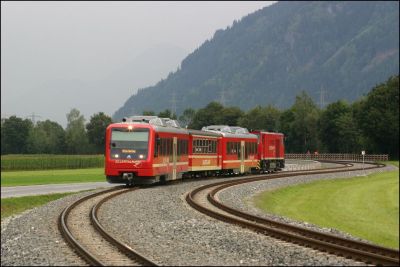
{"x": 128, "y": 251}
{"x": 321, "y": 241}
{"x": 75, "y": 244}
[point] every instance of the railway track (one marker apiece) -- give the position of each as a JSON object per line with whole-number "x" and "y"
{"x": 82, "y": 230}
{"x": 204, "y": 199}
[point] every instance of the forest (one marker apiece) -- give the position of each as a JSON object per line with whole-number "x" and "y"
{"x": 370, "y": 123}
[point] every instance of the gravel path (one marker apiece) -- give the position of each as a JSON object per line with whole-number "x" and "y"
{"x": 158, "y": 223}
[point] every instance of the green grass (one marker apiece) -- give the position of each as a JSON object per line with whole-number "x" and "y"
{"x": 14, "y": 205}
{"x": 367, "y": 207}
{"x": 392, "y": 162}
{"x": 18, "y": 178}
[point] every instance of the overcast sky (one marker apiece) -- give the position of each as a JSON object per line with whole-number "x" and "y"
{"x": 55, "y": 55}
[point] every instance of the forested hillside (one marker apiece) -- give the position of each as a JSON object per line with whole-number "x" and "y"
{"x": 341, "y": 49}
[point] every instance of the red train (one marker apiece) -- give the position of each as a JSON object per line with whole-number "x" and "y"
{"x": 148, "y": 149}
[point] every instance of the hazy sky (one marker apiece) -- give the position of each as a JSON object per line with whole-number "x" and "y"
{"x": 56, "y": 55}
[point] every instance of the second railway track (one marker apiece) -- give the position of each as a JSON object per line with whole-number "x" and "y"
{"x": 82, "y": 230}
{"x": 359, "y": 251}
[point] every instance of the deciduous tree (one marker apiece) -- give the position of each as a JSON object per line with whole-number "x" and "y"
{"x": 76, "y": 138}
{"x": 96, "y": 130}
{"x": 14, "y": 135}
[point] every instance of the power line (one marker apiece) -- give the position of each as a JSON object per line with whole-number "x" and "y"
{"x": 222, "y": 99}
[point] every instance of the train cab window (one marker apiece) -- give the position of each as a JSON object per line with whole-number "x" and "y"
{"x": 129, "y": 144}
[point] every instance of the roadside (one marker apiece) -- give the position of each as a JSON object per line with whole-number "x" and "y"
{"x": 31, "y": 190}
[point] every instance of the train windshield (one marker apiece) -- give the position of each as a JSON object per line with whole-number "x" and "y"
{"x": 129, "y": 144}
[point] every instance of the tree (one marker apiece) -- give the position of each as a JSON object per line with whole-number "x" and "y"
{"x": 286, "y": 121}
{"x": 378, "y": 117}
{"x": 96, "y": 130}
{"x": 260, "y": 118}
{"x": 337, "y": 129}
{"x": 229, "y": 116}
{"x": 187, "y": 116}
{"x": 75, "y": 134}
{"x": 167, "y": 114}
{"x": 302, "y": 126}
{"x": 46, "y": 137}
{"x": 148, "y": 113}
{"x": 14, "y": 135}
{"x": 207, "y": 116}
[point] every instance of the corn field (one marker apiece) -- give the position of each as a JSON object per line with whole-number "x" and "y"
{"x": 48, "y": 162}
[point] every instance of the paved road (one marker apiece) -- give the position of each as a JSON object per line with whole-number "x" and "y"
{"x": 18, "y": 191}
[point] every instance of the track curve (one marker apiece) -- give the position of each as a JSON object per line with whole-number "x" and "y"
{"x": 80, "y": 227}
{"x": 356, "y": 250}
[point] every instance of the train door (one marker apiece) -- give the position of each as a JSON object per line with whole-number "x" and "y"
{"x": 242, "y": 156}
{"x": 174, "y": 157}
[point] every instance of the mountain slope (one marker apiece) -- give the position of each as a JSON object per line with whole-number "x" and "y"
{"x": 343, "y": 48}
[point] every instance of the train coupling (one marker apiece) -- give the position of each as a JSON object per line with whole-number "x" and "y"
{"x": 128, "y": 176}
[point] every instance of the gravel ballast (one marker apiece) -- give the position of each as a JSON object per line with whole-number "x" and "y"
{"x": 157, "y": 222}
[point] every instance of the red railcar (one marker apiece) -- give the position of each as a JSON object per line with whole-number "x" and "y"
{"x": 144, "y": 150}
{"x": 238, "y": 148}
{"x": 148, "y": 149}
{"x": 271, "y": 150}
{"x": 204, "y": 152}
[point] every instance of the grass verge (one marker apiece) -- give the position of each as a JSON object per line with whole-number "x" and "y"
{"x": 18, "y": 178}
{"x": 367, "y": 207}
{"x": 14, "y": 205}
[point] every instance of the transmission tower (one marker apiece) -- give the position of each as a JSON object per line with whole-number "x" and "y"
{"x": 173, "y": 103}
{"x": 33, "y": 116}
{"x": 322, "y": 97}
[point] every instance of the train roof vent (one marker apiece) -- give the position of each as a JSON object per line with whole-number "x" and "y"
{"x": 145, "y": 119}
{"x": 171, "y": 123}
{"x": 239, "y": 130}
{"x": 157, "y": 121}
{"x": 218, "y": 128}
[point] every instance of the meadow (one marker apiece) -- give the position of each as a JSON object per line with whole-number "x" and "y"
{"x": 367, "y": 207}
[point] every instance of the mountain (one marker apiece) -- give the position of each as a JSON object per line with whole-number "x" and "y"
{"x": 339, "y": 49}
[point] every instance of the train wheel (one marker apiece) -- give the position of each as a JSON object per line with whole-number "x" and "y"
{"x": 163, "y": 180}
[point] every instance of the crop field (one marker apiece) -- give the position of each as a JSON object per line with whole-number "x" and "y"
{"x": 48, "y": 162}
{"x": 367, "y": 207}
{"x": 17, "y": 178}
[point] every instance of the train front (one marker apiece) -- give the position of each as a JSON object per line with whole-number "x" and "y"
{"x": 128, "y": 157}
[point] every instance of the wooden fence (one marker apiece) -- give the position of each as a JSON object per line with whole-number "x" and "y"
{"x": 331, "y": 156}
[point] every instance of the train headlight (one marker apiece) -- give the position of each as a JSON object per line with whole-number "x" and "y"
{"x": 130, "y": 127}
{"x": 141, "y": 156}
{"x": 116, "y": 155}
